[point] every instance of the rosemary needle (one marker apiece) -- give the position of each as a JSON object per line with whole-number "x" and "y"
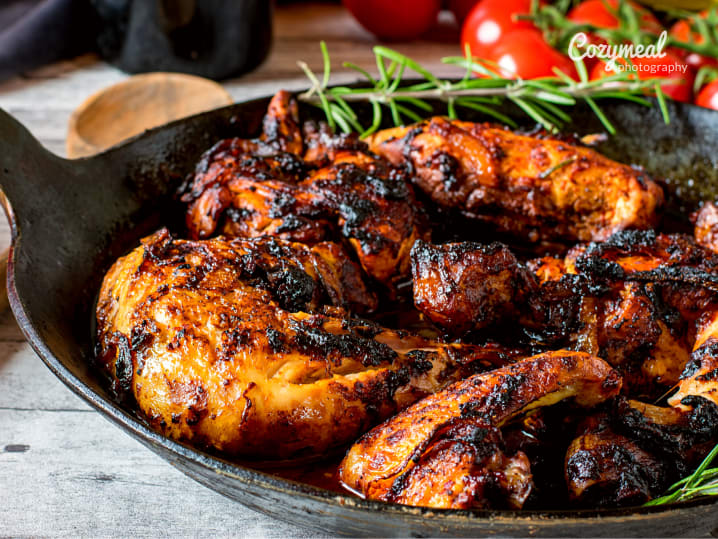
{"x": 541, "y": 99}
{"x": 702, "y": 482}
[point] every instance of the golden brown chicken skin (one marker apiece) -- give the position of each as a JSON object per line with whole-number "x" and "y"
{"x": 223, "y": 343}
{"x": 446, "y": 451}
{"x": 700, "y": 377}
{"x": 340, "y": 192}
{"x": 535, "y": 188}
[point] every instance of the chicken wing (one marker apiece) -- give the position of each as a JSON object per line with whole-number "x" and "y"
{"x": 536, "y": 188}
{"x": 245, "y": 346}
{"x": 446, "y": 450}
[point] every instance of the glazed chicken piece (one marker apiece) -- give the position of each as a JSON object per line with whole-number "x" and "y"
{"x": 634, "y": 453}
{"x": 374, "y": 208}
{"x": 447, "y": 451}
{"x": 647, "y": 256}
{"x": 680, "y": 283}
{"x": 700, "y": 377}
{"x": 465, "y": 286}
{"x": 246, "y": 346}
{"x": 632, "y": 300}
{"x": 264, "y": 187}
{"x": 535, "y": 188}
{"x": 606, "y": 469}
{"x": 631, "y": 454}
{"x": 321, "y": 144}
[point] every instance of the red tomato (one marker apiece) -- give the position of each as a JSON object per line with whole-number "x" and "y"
{"x": 708, "y": 96}
{"x": 681, "y": 31}
{"x": 461, "y": 8}
{"x": 597, "y": 13}
{"x": 670, "y": 67}
{"x": 525, "y": 54}
{"x": 489, "y": 21}
{"x": 395, "y": 20}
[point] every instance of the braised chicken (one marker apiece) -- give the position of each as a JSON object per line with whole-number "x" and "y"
{"x": 535, "y": 188}
{"x": 265, "y": 188}
{"x": 223, "y": 343}
{"x": 446, "y": 451}
{"x": 586, "y": 378}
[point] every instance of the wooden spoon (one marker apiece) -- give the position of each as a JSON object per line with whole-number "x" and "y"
{"x": 137, "y": 104}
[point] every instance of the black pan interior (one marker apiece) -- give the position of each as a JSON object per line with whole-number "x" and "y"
{"x": 72, "y": 219}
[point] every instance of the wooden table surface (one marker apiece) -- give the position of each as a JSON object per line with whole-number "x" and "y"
{"x": 64, "y": 470}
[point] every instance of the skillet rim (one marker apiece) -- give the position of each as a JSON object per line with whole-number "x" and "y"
{"x": 246, "y": 475}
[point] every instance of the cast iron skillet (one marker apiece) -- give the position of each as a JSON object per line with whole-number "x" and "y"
{"x": 71, "y": 219}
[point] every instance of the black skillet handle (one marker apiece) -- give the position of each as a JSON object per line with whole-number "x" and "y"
{"x": 62, "y": 212}
{"x": 83, "y": 198}
{"x": 74, "y": 213}
{"x": 28, "y": 173}
{"x": 39, "y": 189}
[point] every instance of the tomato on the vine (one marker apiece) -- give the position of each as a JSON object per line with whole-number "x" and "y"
{"x": 599, "y": 13}
{"x": 669, "y": 67}
{"x": 681, "y": 31}
{"x": 526, "y": 54}
{"x": 708, "y": 96}
{"x": 489, "y": 21}
{"x": 395, "y": 20}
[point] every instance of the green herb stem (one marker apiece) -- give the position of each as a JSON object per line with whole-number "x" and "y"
{"x": 702, "y": 482}
{"x": 540, "y": 99}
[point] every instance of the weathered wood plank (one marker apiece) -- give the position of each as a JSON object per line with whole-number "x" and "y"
{"x": 74, "y": 474}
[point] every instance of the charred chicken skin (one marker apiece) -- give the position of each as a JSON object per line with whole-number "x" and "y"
{"x": 639, "y": 300}
{"x": 536, "y": 188}
{"x": 446, "y": 450}
{"x": 223, "y": 343}
{"x": 525, "y": 381}
{"x": 607, "y": 469}
{"x": 633, "y": 300}
{"x": 466, "y": 286}
{"x": 341, "y": 191}
{"x": 633, "y": 452}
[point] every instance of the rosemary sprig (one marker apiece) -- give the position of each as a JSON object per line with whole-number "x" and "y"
{"x": 702, "y": 482}
{"x": 541, "y": 99}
